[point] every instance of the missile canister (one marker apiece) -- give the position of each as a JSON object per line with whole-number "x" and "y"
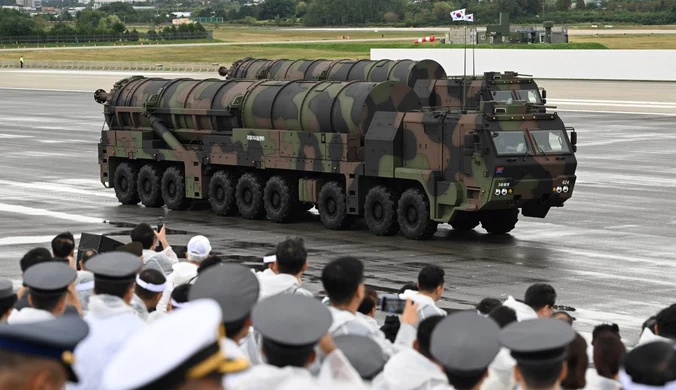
{"x": 221, "y": 105}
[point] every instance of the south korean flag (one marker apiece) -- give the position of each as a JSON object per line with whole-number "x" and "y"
{"x": 458, "y": 15}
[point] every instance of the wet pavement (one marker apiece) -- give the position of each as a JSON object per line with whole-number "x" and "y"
{"x": 608, "y": 252}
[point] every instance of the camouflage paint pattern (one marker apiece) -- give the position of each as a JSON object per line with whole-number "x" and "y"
{"x": 368, "y": 133}
{"x": 405, "y": 71}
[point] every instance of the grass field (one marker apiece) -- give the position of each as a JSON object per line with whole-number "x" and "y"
{"x": 646, "y": 41}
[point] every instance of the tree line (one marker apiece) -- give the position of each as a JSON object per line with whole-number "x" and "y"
{"x": 313, "y": 13}
{"x": 103, "y": 21}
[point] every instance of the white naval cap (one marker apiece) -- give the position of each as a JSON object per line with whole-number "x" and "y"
{"x": 163, "y": 355}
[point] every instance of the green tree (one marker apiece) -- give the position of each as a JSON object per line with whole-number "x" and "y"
{"x": 580, "y": 4}
{"x": 301, "y": 9}
{"x": 441, "y": 11}
{"x": 563, "y": 5}
{"x": 278, "y": 8}
{"x": 111, "y": 24}
{"x": 390, "y": 17}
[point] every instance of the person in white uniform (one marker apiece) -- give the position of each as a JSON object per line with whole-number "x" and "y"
{"x": 183, "y": 272}
{"x": 195, "y": 360}
{"x": 465, "y": 344}
{"x": 7, "y": 299}
{"x": 287, "y": 270}
{"x": 539, "y": 348}
{"x": 292, "y": 327}
{"x": 48, "y": 286}
{"x": 110, "y": 318}
{"x": 430, "y": 290}
{"x": 236, "y": 290}
{"x": 150, "y": 285}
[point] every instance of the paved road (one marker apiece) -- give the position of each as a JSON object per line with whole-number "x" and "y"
{"x": 609, "y": 252}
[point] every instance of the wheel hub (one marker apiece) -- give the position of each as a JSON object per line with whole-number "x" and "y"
{"x": 220, "y": 194}
{"x": 276, "y": 200}
{"x": 124, "y": 184}
{"x": 146, "y": 186}
{"x": 248, "y": 196}
{"x": 171, "y": 189}
{"x": 411, "y": 215}
{"x": 377, "y": 211}
{"x": 331, "y": 206}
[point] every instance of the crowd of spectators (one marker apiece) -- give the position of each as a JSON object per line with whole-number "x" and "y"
{"x": 140, "y": 317}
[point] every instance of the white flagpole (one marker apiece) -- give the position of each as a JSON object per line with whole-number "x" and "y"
{"x": 474, "y": 42}
{"x": 464, "y": 76}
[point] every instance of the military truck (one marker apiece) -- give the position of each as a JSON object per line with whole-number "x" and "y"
{"x": 274, "y": 149}
{"x": 427, "y": 77}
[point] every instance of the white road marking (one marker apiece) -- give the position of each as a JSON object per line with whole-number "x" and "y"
{"x": 56, "y": 188}
{"x": 22, "y": 240}
{"x": 10, "y": 208}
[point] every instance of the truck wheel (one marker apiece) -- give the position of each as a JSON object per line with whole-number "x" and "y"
{"x": 332, "y": 207}
{"x": 280, "y": 199}
{"x": 173, "y": 190}
{"x": 222, "y": 193}
{"x": 414, "y": 215}
{"x": 249, "y": 194}
{"x": 465, "y": 221}
{"x": 380, "y": 211}
{"x": 500, "y": 221}
{"x": 125, "y": 182}
{"x": 150, "y": 186}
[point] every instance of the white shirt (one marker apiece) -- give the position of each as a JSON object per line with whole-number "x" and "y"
{"x": 334, "y": 368}
{"x": 28, "y": 315}
{"x": 182, "y": 273}
{"x": 273, "y": 284}
{"x": 427, "y": 307}
{"x": 410, "y": 370}
{"x": 523, "y": 311}
{"x": 111, "y": 321}
{"x": 161, "y": 261}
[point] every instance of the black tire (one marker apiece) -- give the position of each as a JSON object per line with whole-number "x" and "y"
{"x": 465, "y": 221}
{"x": 380, "y": 211}
{"x": 500, "y": 221}
{"x": 249, "y": 195}
{"x": 332, "y": 207}
{"x": 173, "y": 190}
{"x": 125, "y": 183}
{"x": 281, "y": 199}
{"x": 150, "y": 186}
{"x": 414, "y": 215}
{"x": 222, "y": 189}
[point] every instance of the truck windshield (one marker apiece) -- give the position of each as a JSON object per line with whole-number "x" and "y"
{"x": 502, "y": 96}
{"x": 510, "y": 142}
{"x": 550, "y": 141}
{"x": 529, "y": 95}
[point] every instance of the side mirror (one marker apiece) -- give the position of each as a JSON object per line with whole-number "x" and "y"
{"x": 544, "y": 93}
{"x": 573, "y": 138}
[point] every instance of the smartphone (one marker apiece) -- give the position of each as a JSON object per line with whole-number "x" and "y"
{"x": 160, "y": 224}
{"x": 392, "y": 304}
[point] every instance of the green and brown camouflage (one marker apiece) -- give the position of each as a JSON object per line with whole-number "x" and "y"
{"x": 359, "y": 136}
{"x": 427, "y": 77}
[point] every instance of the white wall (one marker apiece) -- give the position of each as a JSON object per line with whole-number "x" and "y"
{"x": 555, "y": 64}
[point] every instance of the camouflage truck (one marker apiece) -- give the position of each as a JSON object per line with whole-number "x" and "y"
{"x": 427, "y": 77}
{"x": 274, "y": 149}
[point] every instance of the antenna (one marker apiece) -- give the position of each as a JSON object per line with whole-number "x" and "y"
{"x": 464, "y": 75}
{"x": 474, "y": 42}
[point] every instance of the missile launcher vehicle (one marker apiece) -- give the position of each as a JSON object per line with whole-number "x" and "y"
{"x": 352, "y": 149}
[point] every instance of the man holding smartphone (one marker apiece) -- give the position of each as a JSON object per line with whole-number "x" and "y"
{"x": 161, "y": 261}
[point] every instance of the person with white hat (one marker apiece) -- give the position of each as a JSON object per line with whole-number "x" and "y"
{"x": 198, "y": 250}
{"x": 195, "y": 360}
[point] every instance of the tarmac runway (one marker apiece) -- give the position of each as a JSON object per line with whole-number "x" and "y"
{"x": 608, "y": 252}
